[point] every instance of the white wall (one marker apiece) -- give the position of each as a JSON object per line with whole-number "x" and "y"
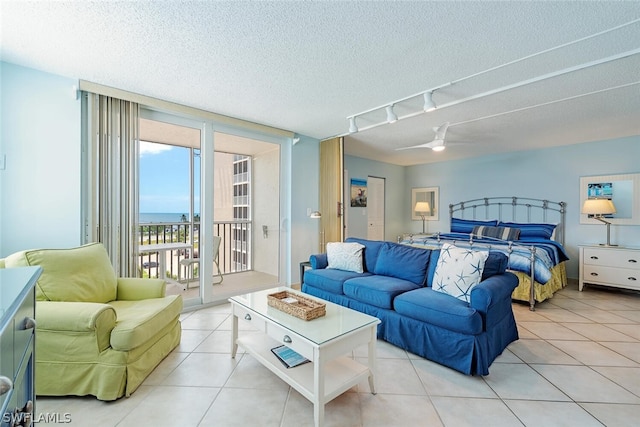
{"x": 40, "y": 187}
{"x": 266, "y": 211}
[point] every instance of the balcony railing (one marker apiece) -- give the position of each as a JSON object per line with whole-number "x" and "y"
{"x": 234, "y": 253}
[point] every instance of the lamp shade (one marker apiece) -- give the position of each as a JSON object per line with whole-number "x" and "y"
{"x": 422, "y": 207}
{"x": 598, "y": 207}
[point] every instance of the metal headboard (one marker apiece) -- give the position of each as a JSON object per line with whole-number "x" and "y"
{"x": 536, "y": 210}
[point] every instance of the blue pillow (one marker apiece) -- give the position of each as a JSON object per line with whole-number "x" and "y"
{"x": 503, "y": 233}
{"x": 496, "y": 263}
{"x": 403, "y": 262}
{"x": 459, "y": 225}
{"x": 532, "y": 230}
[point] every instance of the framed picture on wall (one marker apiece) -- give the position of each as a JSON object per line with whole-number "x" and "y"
{"x": 358, "y": 193}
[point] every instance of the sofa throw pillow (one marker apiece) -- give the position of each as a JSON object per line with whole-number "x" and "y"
{"x": 345, "y": 256}
{"x": 458, "y": 271}
{"x": 503, "y": 233}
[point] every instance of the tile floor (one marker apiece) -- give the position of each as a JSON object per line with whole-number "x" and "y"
{"x": 577, "y": 363}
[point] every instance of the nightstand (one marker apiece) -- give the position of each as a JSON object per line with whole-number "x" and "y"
{"x": 615, "y": 266}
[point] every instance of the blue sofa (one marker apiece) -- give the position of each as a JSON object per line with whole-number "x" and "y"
{"x": 395, "y": 286}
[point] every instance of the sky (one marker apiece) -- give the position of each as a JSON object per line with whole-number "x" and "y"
{"x": 164, "y": 178}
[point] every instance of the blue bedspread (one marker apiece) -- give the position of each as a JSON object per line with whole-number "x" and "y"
{"x": 548, "y": 253}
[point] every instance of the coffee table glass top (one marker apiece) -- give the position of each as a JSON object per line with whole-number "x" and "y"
{"x": 336, "y": 322}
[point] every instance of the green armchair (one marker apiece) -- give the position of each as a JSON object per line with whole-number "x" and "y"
{"x": 96, "y": 334}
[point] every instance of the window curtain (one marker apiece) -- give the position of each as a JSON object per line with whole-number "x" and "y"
{"x": 110, "y": 178}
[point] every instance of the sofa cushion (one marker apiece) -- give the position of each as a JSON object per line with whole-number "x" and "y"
{"x": 139, "y": 321}
{"x": 378, "y": 291}
{"x": 82, "y": 274}
{"x": 403, "y": 262}
{"x": 330, "y": 280}
{"x": 458, "y": 271}
{"x": 370, "y": 252}
{"x": 430, "y": 306}
{"x": 345, "y": 256}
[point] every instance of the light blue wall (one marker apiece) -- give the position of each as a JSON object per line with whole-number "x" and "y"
{"x": 40, "y": 187}
{"x": 552, "y": 174}
{"x": 356, "y": 218}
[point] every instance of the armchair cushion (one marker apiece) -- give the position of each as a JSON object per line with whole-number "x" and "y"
{"x": 139, "y": 321}
{"x": 82, "y": 274}
{"x": 76, "y": 318}
{"x": 135, "y": 289}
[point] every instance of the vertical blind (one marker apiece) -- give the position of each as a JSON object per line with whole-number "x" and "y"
{"x": 110, "y": 178}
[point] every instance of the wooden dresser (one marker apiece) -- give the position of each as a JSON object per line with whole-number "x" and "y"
{"x": 615, "y": 266}
{"x": 17, "y": 339}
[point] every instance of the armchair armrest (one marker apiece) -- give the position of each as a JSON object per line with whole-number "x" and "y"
{"x": 136, "y": 289}
{"x": 492, "y": 297}
{"x": 64, "y": 316}
{"x": 318, "y": 261}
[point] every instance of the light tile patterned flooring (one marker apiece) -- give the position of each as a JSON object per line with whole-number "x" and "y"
{"x": 577, "y": 363}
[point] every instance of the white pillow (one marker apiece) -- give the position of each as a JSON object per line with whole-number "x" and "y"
{"x": 345, "y": 256}
{"x": 458, "y": 271}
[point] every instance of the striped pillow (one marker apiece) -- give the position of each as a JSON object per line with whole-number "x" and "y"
{"x": 503, "y": 233}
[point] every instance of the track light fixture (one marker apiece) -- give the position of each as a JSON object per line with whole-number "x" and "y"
{"x": 391, "y": 116}
{"x": 429, "y": 105}
{"x": 353, "y": 128}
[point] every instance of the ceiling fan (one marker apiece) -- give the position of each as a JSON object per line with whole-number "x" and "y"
{"x": 438, "y": 141}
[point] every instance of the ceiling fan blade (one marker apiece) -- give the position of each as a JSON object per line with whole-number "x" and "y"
{"x": 441, "y": 130}
{"x": 427, "y": 145}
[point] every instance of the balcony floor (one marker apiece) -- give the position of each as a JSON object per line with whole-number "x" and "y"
{"x": 233, "y": 284}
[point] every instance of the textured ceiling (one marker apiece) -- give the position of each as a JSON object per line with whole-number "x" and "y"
{"x": 305, "y": 66}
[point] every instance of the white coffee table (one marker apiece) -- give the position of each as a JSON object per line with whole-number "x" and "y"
{"x": 325, "y": 341}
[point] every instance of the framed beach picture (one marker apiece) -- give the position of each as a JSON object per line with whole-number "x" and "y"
{"x": 358, "y": 193}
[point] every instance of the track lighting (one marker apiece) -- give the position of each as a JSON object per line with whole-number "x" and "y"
{"x": 429, "y": 105}
{"x": 391, "y": 116}
{"x": 353, "y": 128}
{"x": 407, "y": 103}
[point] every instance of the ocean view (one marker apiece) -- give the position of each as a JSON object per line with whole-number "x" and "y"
{"x": 151, "y": 217}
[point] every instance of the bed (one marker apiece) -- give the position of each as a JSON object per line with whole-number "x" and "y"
{"x": 529, "y": 231}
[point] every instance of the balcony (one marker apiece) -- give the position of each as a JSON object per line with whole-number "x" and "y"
{"x": 234, "y": 255}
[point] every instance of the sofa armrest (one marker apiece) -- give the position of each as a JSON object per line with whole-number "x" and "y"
{"x": 136, "y": 289}
{"x": 492, "y": 297}
{"x": 318, "y": 261}
{"x": 77, "y": 317}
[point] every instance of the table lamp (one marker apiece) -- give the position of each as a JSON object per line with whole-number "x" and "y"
{"x": 597, "y": 208}
{"x": 423, "y": 208}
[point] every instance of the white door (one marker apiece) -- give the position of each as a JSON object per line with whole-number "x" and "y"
{"x": 375, "y": 208}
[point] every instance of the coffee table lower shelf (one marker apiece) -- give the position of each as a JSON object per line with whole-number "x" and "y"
{"x": 340, "y": 374}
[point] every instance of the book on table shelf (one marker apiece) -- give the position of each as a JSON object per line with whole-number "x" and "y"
{"x": 288, "y": 357}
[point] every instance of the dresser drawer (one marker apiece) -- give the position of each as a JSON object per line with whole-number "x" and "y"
{"x": 286, "y": 337}
{"x": 625, "y": 277}
{"x": 24, "y": 328}
{"x": 612, "y": 258}
{"x": 246, "y": 317}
